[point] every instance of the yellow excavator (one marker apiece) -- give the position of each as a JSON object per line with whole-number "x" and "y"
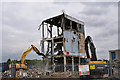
{"x": 97, "y": 68}
{"x": 93, "y": 59}
{"x": 22, "y": 64}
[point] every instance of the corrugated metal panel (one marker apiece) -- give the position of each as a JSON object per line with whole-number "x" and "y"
{"x": 71, "y": 42}
{"x": 68, "y": 41}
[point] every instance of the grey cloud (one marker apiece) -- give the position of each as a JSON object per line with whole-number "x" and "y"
{"x": 0, "y": 33}
{"x": 119, "y": 25}
{"x": 101, "y": 56}
{"x": 61, "y": 3}
{"x": 107, "y": 33}
{"x": 97, "y": 14}
{"x": 101, "y": 4}
{"x": 94, "y": 11}
{"x": 103, "y": 29}
{"x": 21, "y": 20}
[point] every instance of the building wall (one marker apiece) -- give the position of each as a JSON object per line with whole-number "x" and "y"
{"x": 74, "y": 42}
{"x": 115, "y": 63}
{"x": 117, "y": 54}
{"x": 82, "y": 43}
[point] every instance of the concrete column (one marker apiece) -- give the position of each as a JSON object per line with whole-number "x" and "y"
{"x": 47, "y": 31}
{"x": 79, "y": 60}
{"x": 72, "y": 64}
{"x": 58, "y": 31}
{"x": 52, "y": 46}
{"x": 43, "y": 37}
{"x": 53, "y": 64}
{"x": 52, "y": 53}
{"x": 64, "y": 63}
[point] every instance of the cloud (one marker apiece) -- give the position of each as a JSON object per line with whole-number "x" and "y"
{"x": 119, "y": 25}
{"x": 21, "y": 20}
{"x": 102, "y": 24}
{"x": 0, "y": 33}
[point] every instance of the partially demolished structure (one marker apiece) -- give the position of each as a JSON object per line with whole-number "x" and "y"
{"x": 63, "y": 40}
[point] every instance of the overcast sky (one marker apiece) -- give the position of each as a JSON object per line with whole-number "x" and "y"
{"x": 20, "y": 21}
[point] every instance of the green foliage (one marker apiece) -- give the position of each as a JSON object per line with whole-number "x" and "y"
{"x": 14, "y": 61}
{"x": 105, "y": 60}
{"x": 35, "y": 62}
{"x": 9, "y": 61}
{"x": 99, "y": 60}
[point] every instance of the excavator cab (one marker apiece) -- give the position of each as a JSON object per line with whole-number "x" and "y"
{"x": 85, "y": 61}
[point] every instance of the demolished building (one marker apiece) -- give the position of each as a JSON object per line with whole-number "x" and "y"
{"x": 63, "y": 40}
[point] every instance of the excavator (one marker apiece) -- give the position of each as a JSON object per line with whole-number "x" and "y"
{"x": 22, "y": 64}
{"x": 97, "y": 68}
{"x": 93, "y": 59}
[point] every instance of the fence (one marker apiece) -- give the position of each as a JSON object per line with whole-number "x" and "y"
{"x": 109, "y": 70}
{"x": 116, "y": 69}
{"x": 60, "y": 68}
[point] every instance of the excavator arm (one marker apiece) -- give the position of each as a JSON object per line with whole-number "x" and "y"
{"x": 89, "y": 41}
{"x": 29, "y": 50}
{"x": 25, "y": 54}
{"x": 37, "y": 51}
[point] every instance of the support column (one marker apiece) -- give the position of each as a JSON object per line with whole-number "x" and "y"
{"x": 64, "y": 63}
{"x": 79, "y": 60}
{"x": 72, "y": 64}
{"x": 52, "y": 58}
{"x": 58, "y": 31}
{"x": 47, "y": 31}
{"x": 43, "y": 37}
{"x": 51, "y": 47}
{"x": 53, "y": 64}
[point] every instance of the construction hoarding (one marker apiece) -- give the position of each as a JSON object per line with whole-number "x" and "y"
{"x": 84, "y": 70}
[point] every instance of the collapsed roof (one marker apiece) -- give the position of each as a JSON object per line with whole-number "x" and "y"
{"x": 58, "y": 19}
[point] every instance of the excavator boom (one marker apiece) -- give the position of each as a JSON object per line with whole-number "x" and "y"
{"x": 89, "y": 41}
{"x": 25, "y": 54}
{"x": 37, "y": 51}
{"x": 29, "y": 50}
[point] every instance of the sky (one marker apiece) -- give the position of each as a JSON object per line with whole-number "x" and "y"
{"x": 20, "y": 21}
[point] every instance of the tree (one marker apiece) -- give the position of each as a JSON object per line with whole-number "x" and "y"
{"x": 105, "y": 60}
{"x": 99, "y": 60}
{"x": 14, "y": 61}
{"x": 9, "y": 61}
